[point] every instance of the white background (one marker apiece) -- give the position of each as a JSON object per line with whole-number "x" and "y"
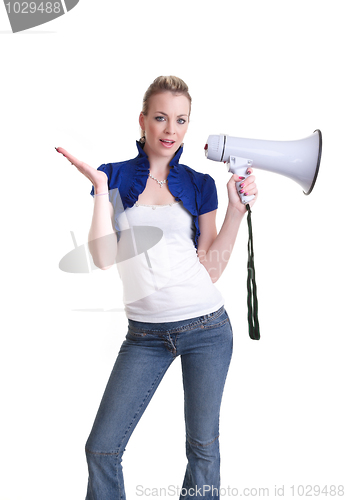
{"x": 266, "y": 70}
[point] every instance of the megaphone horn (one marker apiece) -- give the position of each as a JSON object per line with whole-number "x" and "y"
{"x": 299, "y": 160}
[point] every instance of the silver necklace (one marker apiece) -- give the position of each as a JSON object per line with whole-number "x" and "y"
{"x": 159, "y": 182}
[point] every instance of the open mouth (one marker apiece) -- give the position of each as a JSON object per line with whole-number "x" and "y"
{"x": 166, "y": 143}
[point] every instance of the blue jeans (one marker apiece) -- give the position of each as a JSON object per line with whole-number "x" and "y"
{"x": 205, "y": 346}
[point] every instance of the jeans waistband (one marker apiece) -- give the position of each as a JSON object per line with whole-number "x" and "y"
{"x": 173, "y": 326}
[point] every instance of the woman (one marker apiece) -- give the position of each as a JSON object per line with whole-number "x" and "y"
{"x": 172, "y": 305}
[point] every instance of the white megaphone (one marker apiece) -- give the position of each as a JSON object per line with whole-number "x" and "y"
{"x": 299, "y": 160}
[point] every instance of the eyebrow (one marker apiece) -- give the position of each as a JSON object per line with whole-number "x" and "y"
{"x": 167, "y": 115}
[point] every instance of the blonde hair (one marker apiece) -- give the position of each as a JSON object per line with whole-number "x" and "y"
{"x": 164, "y": 84}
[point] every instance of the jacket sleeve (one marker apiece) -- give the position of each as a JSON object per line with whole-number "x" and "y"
{"x": 209, "y": 200}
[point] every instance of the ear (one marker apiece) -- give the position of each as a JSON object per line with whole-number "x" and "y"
{"x": 141, "y": 121}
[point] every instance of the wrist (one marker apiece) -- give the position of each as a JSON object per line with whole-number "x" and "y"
{"x": 101, "y": 188}
{"x": 235, "y": 213}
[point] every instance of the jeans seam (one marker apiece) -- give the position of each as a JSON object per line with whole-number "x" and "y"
{"x": 114, "y": 453}
{"x": 141, "y": 405}
{"x": 206, "y": 327}
{"x": 101, "y": 452}
{"x": 135, "y": 334}
{"x": 169, "y": 344}
{"x": 214, "y": 316}
{"x": 167, "y": 332}
{"x": 193, "y": 443}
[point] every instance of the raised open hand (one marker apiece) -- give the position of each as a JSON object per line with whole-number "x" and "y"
{"x": 98, "y": 178}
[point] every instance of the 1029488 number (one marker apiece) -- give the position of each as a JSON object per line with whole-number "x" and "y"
{"x": 314, "y": 491}
{"x": 32, "y": 7}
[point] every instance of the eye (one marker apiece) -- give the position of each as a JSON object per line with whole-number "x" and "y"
{"x": 159, "y": 118}
{"x": 181, "y": 121}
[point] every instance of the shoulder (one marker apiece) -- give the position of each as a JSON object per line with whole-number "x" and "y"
{"x": 200, "y": 179}
{"x": 205, "y": 190}
{"x": 115, "y": 171}
{"x": 203, "y": 182}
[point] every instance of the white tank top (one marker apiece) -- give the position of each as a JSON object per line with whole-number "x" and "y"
{"x": 165, "y": 282}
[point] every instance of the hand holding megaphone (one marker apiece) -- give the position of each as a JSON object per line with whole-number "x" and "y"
{"x": 240, "y": 188}
{"x": 98, "y": 178}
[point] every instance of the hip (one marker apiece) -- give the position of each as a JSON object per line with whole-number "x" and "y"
{"x": 214, "y": 319}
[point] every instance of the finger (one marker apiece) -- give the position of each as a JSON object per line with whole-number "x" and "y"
{"x": 63, "y": 152}
{"x": 71, "y": 158}
{"x": 251, "y": 191}
{"x": 248, "y": 181}
{"x": 236, "y": 178}
{"x": 249, "y": 187}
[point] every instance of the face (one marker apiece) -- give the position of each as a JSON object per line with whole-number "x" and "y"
{"x": 165, "y": 124}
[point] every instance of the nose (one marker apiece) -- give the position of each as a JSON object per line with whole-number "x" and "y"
{"x": 170, "y": 127}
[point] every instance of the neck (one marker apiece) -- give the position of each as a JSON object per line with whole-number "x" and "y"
{"x": 158, "y": 164}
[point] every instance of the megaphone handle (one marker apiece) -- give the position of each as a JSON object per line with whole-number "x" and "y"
{"x": 239, "y": 166}
{"x": 244, "y": 199}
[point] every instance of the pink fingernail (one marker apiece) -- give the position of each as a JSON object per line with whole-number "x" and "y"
{"x": 241, "y": 191}
{"x": 242, "y": 178}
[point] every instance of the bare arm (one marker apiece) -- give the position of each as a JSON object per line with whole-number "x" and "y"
{"x": 102, "y": 240}
{"x": 214, "y": 250}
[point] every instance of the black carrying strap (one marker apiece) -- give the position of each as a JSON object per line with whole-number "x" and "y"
{"x": 252, "y": 304}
